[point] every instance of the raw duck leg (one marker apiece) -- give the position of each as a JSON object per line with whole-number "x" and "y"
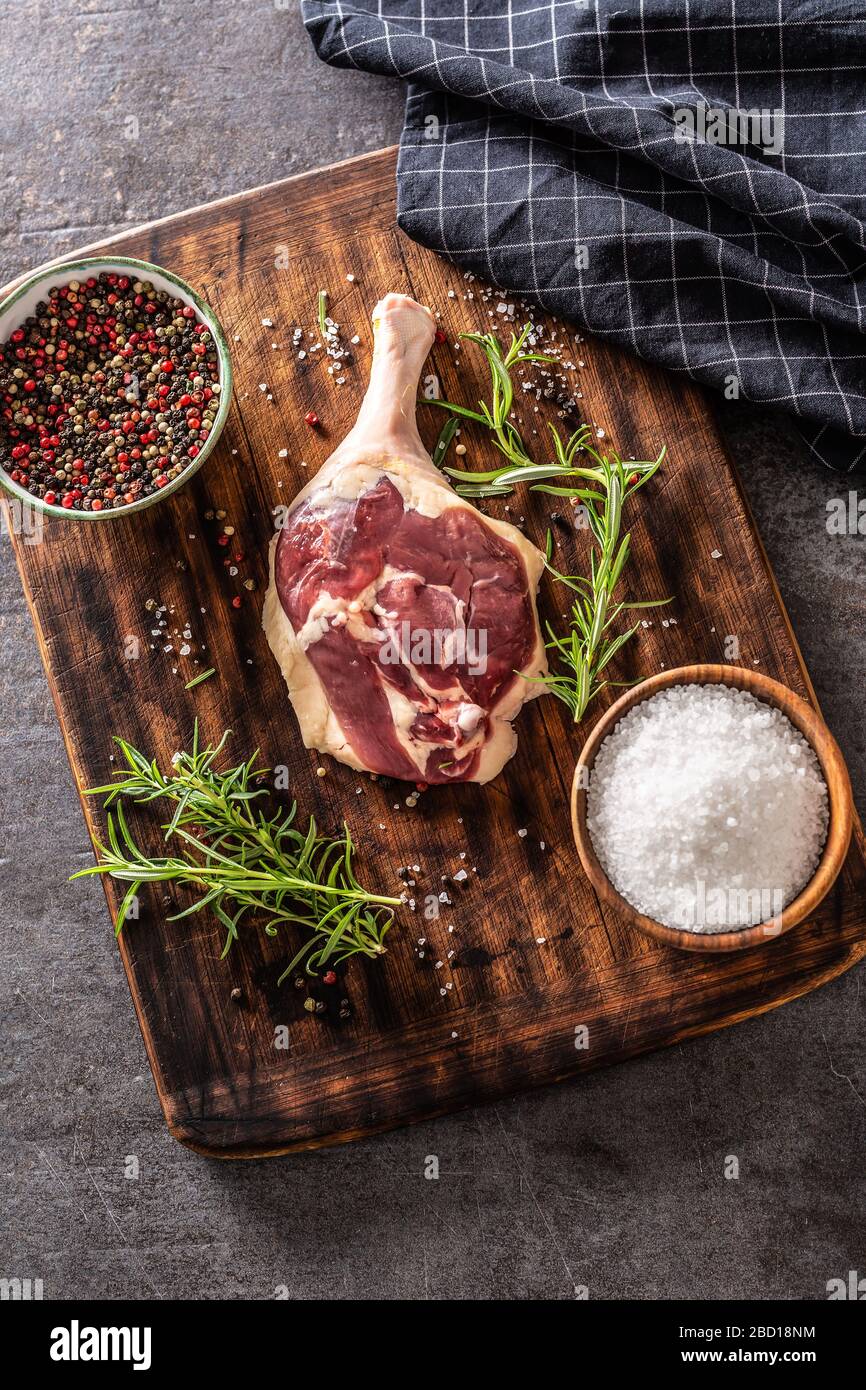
{"x": 400, "y": 616}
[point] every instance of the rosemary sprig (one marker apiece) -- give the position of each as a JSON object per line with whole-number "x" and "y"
{"x": 494, "y": 415}
{"x": 589, "y": 647}
{"x": 603, "y": 486}
{"x": 322, "y": 311}
{"x": 242, "y": 859}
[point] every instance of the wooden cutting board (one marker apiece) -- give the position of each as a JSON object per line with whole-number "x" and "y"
{"x": 536, "y": 956}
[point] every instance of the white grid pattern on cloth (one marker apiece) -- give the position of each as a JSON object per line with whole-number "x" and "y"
{"x": 707, "y": 259}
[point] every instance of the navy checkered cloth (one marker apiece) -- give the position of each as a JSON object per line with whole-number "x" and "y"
{"x": 684, "y": 177}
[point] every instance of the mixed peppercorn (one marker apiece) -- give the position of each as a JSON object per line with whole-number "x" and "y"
{"x": 107, "y": 393}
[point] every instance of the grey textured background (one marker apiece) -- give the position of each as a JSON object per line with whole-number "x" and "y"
{"x": 617, "y": 1182}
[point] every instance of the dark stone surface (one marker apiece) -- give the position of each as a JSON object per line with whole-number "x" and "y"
{"x": 616, "y": 1183}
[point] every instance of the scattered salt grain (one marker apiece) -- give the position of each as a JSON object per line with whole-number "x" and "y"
{"x": 707, "y": 808}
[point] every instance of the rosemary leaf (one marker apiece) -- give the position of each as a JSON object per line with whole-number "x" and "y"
{"x": 197, "y": 680}
{"x": 446, "y": 434}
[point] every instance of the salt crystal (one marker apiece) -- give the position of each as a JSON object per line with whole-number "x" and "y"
{"x": 707, "y": 808}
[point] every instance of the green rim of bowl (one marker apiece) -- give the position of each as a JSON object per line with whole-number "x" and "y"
{"x": 68, "y": 270}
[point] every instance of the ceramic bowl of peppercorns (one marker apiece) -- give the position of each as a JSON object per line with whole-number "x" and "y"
{"x": 115, "y": 383}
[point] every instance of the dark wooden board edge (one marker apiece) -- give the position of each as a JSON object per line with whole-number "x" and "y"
{"x": 142, "y": 229}
{"x": 216, "y": 1138}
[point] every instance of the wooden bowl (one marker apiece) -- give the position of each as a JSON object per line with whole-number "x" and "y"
{"x": 841, "y": 807}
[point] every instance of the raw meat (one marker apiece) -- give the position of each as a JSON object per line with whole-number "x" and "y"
{"x": 400, "y": 616}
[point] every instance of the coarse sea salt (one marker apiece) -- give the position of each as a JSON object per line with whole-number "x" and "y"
{"x": 707, "y": 808}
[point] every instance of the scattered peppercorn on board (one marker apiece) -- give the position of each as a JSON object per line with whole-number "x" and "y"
{"x": 509, "y": 973}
